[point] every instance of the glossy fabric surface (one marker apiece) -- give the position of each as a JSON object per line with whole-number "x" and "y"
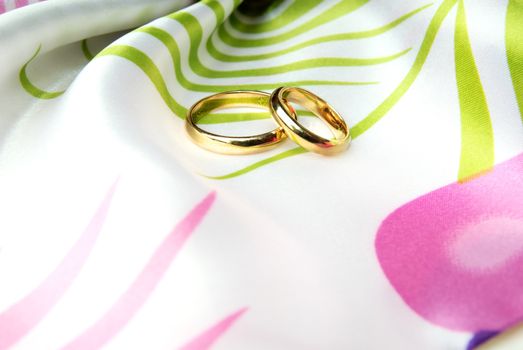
{"x": 118, "y": 232}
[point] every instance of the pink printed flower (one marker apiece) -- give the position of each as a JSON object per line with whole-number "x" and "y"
{"x": 455, "y": 255}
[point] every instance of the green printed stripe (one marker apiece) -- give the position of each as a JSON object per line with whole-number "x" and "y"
{"x": 477, "y": 139}
{"x": 149, "y": 68}
{"x": 388, "y": 103}
{"x": 283, "y": 155}
{"x": 153, "y": 73}
{"x": 195, "y": 31}
{"x": 30, "y": 88}
{"x": 85, "y": 49}
{"x": 340, "y": 9}
{"x": 195, "y": 64}
{"x": 146, "y": 64}
{"x": 514, "y": 47}
{"x": 221, "y": 56}
{"x": 217, "y": 8}
{"x": 411, "y": 76}
{"x": 290, "y": 14}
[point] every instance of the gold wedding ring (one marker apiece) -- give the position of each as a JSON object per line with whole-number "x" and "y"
{"x": 283, "y": 113}
{"x": 231, "y": 144}
{"x": 278, "y": 103}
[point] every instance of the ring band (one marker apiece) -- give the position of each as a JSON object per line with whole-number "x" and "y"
{"x": 231, "y": 144}
{"x": 285, "y": 116}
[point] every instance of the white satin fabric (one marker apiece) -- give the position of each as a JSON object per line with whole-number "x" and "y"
{"x": 292, "y": 243}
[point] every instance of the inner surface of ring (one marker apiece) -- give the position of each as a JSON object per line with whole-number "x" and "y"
{"x": 317, "y": 106}
{"x": 228, "y": 101}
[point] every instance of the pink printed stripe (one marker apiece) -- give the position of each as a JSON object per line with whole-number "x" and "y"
{"x": 123, "y": 310}
{"x": 12, "y": 5}
{"x": 21, "y": 317}
{"x": 206, "y": 339}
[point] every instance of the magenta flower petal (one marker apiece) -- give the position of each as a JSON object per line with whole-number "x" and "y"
{"x": 455, "y": 255}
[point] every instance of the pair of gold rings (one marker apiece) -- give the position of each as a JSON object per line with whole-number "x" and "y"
{"x": 278, "y": 103}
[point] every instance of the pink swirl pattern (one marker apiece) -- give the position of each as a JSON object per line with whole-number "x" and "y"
{"x": 19, "y": 319}
{"x": 23, "y": 316}
{"x": 124, "y": 309}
